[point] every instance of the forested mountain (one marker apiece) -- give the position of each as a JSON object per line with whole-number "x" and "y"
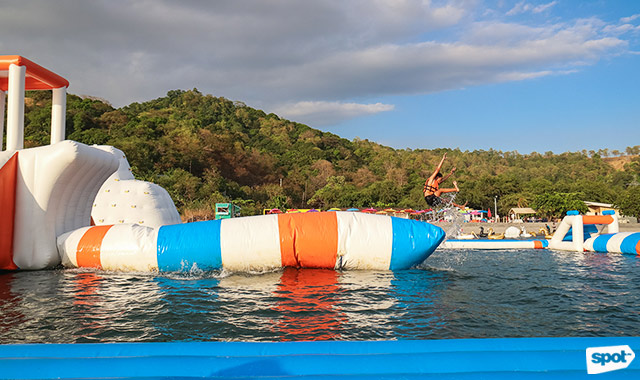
{"x": 205, "y": 149}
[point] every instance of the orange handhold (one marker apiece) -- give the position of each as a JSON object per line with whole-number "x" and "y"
{"x": 88, "y": 252}
{"x": 8, "y": 175}
{"x": 597, "y": 219}
{"x": 308, "y": 240}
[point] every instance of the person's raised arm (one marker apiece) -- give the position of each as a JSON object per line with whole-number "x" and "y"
{"x": 448, "y": 175}
{"x": 444, "y": 157}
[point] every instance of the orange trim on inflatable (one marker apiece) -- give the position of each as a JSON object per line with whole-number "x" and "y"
{"x": 537, "y": 244}
{"x": 37, "y": 77}
{"x": 308, "y": 240}
{"x": 8, "y": 176}
{"x": 88, "y": 252}
{"x": 638, "y": 248}
{"x": 597, "y": 219}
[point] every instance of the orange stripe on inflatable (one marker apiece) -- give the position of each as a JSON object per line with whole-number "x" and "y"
{"x": 88, "y": 252}
{"x": 638, "y": 248}
{"x": 597, "y": 219}
{"x": 537, "y": 244}
{"x": 308, "y": 240}
{"x": 8, "y": 175}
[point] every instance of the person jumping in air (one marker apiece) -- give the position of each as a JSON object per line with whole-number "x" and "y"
{"x": 432, "y": 190}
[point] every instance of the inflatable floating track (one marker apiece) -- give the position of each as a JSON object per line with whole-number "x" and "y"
{"x": 495, "y": 244}
{"x": 331, "y": 240}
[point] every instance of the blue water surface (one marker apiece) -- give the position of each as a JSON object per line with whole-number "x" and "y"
{"x": 453, "y": 294}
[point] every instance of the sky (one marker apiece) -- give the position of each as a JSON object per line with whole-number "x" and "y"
{"x": 558, "y": 75}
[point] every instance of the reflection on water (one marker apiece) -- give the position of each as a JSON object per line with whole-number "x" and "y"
{"x": 454, "y": 294}
{"x": 309, "y": 303}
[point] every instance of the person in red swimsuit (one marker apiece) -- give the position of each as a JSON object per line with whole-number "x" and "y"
{"x": 432, "y": 190}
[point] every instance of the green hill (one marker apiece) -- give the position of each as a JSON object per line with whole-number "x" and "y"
{"x": 205, "y": 149}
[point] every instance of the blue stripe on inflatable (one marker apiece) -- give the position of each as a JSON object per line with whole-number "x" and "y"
{"x": 413, "y": 242}
{"x": 600, "y": 243}
{"x": 562, "y": 358}
{"x": 630, "y": 243}
{"x": 184, "y": 247}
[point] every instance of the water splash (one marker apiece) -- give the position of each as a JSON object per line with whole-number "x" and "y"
{"x": 450, "y": 213}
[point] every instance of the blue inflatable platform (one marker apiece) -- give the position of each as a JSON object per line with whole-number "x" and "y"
{"x": 518, "y": 358}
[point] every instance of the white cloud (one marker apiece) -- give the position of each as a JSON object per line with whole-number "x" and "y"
{"x": 283, "y": 51}
{"x": 327, "y": 113}
{"x": 629, "y": 19}
{"x": 524, "y": 7}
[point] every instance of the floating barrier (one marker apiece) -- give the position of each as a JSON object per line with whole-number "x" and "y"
{"x": 565, "y": 358}
{"x": 340, "y": 240}
{"x": 495, "y": 244}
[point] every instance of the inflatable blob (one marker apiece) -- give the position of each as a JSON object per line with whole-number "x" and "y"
{"x": 335, "y": 240}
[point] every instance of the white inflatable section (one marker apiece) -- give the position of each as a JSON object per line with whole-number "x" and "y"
{"x": 125, "y": 247}
{"x": 573, "y": 222}
{"x": 258, "y": 236}
{"x": 55, "y": 188}
{"x": 366, "y": 247}
{"x": 123, "y": 199}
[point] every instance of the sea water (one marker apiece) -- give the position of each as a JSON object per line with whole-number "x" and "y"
{"x": 453, "y": 294}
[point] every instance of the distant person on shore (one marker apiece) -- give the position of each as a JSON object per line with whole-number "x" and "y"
{"x": 432, "y": 190}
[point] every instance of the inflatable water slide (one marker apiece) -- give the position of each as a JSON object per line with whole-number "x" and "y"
{"x": 77, "y": 205}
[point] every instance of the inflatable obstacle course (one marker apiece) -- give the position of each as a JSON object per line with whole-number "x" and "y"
{"x": 587, "y": 233}
{"x": 80, "y": 206}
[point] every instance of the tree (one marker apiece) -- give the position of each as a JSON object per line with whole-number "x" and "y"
{"x": 555, "y": 205}
{"x": 629, "y": 201}
{"x": 336, "y": 193}
{"x": 205, "y": 149}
